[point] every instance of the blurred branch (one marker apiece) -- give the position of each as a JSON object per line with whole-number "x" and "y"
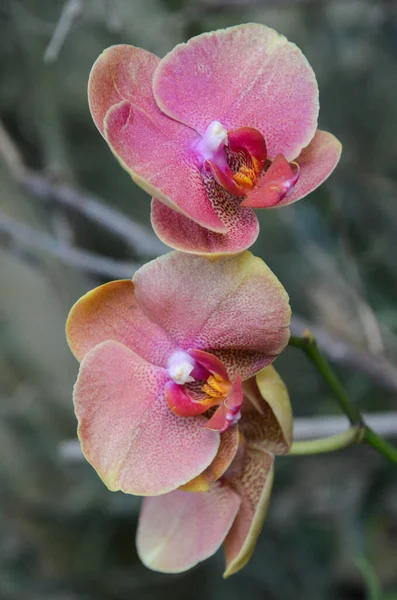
{"x": 342, "y": 352}
{"x": 215, "y": 5}
{"x": 70, "y": 11}
{"x": 307, "y": 428}
{"x": 32, "y": 240}
{"x": 40, "y": 186}
{"x": 384, "y": 424}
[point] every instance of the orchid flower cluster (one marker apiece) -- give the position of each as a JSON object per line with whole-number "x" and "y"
{"x": 176, "y": 398}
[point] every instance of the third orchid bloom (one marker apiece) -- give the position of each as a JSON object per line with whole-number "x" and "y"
{"x": 222, "y": 124}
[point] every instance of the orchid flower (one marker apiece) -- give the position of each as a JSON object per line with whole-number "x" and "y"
{"x": 224, "y": 123}
{"x": 163, "y": 360}
{"x": 184, "y": 527}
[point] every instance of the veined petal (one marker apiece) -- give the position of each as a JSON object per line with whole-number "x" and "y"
{"x": 154, "y": 149}
{"x": 316, "y": 163}
{"x": 222, "y": 461}
{"x": 178, "y": 530}
{"x": 253, "y": 485}
{"x": 233, "y": 307}
{"x": 111, "y": 312}
{"x": 127, "y": 432}
{"x": 247, "y": 75}
{"x": 181, "y": 233}
{"x": 266, "y": 414}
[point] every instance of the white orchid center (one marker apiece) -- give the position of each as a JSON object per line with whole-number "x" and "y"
{"x": 179, "y": 367}
{"x": 214, "y": 138}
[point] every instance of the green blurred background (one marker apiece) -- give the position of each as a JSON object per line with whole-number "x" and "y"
{"x": 332, "y": 528}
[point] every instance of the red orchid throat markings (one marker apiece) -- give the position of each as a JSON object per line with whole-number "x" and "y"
{"x": 238, "y": 161}
{"x": 199, "y": 382}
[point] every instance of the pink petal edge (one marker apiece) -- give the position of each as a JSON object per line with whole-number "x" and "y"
{"x": 248, "y": 75}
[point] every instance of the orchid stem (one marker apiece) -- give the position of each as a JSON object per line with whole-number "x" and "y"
{"x": 359, "y": 431}
{"x": 327, "y": 444}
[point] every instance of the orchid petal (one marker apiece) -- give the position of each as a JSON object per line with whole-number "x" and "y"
{"x": 244, "y": 75}
{"x": 180, "y": 403}
{"x": 120, "y": 73}
{"x": 209, "y": 362}
{"x": 253, "y": 485}
{"x": 111, "y": 312}
{"x": 155, "y": 150}
{"x": 178, "y": 530}
{"x": 252, "y": 141}
{"x": 274, "y": 185}
{"x": 157, "y": 153}
{"x": 316, "y": 163}
{"x": 181, "y": 233}
{"x": 228, "y": 414}
{"x": 218, "y": 422}
{"x": 224, "y": 176}
{"x": 226, "y": 453}
{"x": 127, "y": 432}
{"x": 266, "y": 414}
{"x": 235, "y": 398}
{"x": 233, "y": 307}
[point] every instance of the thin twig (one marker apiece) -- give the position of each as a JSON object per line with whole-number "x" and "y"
{"x": 307, "y": 428}
{"x": 340, "y": 351}
{"x": 70, "y": 11}
{"x": 138, "y": 237}
{"x": 37, "y": 241}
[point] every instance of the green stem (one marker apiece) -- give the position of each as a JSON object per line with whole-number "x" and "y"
{"x": 383, "y": 447}
{"x": 327, "y": 444}
{"x": 308, "y": 344}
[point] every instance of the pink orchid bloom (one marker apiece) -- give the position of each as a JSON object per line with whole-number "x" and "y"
{"x": 163, "y": 358}
{"x": 222, "y": 124}
{"x": 184, "y": 527}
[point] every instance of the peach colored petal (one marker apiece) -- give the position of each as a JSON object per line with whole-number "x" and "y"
{"x": 266, "y": 414}
{"x": 226, "y": 453}
{"x": 181, "y": 233}
{"x": 178, "y": 530}
{"x": 316, "y": 163}
{"x": 127, "y": 432}
{"x": 232, "y": 307}
{"x": 247, "y": 75}
{"x": 111, "y": 312}
{"x": 253, "y": 486}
